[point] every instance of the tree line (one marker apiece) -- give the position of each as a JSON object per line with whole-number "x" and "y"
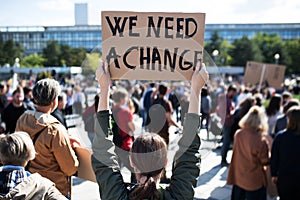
{"x": 54, "y": 54}
{"x": 261, "y": 48}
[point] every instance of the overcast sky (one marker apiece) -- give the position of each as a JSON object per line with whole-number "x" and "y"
{"x": 61, "y": 12}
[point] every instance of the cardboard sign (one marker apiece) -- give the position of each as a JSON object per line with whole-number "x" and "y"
{"x": 152, "y": 46}
{"x": 83, "y": 153}
{"x": 85, "y": 170}
{"x": 266, "y": 74}
{"x": 275, "y": 75}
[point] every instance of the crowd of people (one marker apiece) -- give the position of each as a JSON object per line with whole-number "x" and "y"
{"x": 55, "y": 158}
{"x": 261, "y": 126}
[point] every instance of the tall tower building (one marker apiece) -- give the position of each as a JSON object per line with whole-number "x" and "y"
{"x": 81, "y": 14}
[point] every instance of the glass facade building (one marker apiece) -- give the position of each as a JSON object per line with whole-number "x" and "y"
{"x": 35, "y": 38}
{"x": 230, "y": 32}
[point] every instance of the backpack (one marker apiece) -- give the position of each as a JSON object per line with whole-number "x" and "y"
{"x": 117, "y": 138}
{"x": 216, "y": 125}
{"x": 33, "y": 141}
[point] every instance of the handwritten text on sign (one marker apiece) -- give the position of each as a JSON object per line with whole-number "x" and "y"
{"x": 152, "y": 46}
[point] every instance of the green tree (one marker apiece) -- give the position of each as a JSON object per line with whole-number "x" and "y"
{"x": 11, "y": 51}
{"x": 66, "y": 57}
{"x": 270, "y": 45}
{"x": 63, "y": 55}
{"x": 258, "y": 57}
{"x": 91, "y": 63}
{"x": 242, "y": 51}
{"x": 78, "y": 56}
{"x": 224, "y": 57}
{"x": 32, "y": 60}
{"x": 214, "y": 43}
{"x": 2, "y": 60}
{"x": 51, "y": 53}
{"x": 293, "y": 49}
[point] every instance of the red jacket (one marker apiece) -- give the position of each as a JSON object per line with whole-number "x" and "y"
{"x": 123, "y": 117}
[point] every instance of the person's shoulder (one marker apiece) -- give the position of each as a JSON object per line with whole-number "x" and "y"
{"x": 284, "y": 133}
{"x": 247, "y": 132}
{"x": 239, "y": 132}
{"x": 58, "y": 126}
{"x": 53, "y": 124}
{"x": 281, "y": 134}
{"x": 125, "y": 111}
{"x": 39, "y": 181}
{"x": 45, "y": 118}
{"x": 8, "y": 107}
{"x": 37, "y": 176}
{"x": 280, "y": 119}
{"x": 55, "y": 113}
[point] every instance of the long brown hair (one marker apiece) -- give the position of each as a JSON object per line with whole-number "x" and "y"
{"x": 274, "y": 105}
{"x": 148, "y": 156}
{"x": 293, "y": 115}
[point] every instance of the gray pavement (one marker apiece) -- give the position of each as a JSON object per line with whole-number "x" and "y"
{"x": 211, "y": 184}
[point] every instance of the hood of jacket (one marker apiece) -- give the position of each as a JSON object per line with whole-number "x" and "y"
{"x": 34, "y": 121}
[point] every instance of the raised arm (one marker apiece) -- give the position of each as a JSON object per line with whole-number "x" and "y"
{"x": 187, "y": 159}
{"x": 104, "y": 160}
{"x": 103, "y": 78}
{"x": 199, "y": 78}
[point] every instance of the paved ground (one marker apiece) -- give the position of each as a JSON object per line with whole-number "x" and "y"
{"x": 211, "y": 184}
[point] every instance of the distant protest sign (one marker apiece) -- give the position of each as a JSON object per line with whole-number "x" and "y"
{"x": 151, "y": 45}
{"x": 264, "y": 74}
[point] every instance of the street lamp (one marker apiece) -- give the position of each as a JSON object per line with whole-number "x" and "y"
{"x": 17, "y": 63}
{"x": 215, "y": 54}
{"x": 276, "y": 57}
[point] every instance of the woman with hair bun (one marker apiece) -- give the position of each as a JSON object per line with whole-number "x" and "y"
{"x": 148, "y": 155}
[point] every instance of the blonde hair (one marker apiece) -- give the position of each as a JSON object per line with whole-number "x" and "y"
{"x": 16, "y": 149}
{"x": 256, "y": 119}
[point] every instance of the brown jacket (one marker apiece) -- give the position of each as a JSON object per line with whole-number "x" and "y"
{"x": 55, "y": 157}
{"x": 250, "y": 155}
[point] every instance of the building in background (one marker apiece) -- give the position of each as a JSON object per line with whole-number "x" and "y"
{"x": 230, "y": 32}
{"x": 35, "y": 38}
{"x": 81, "y": 14}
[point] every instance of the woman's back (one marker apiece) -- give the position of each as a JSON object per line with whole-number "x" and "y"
{"x": 151, "y": 147}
